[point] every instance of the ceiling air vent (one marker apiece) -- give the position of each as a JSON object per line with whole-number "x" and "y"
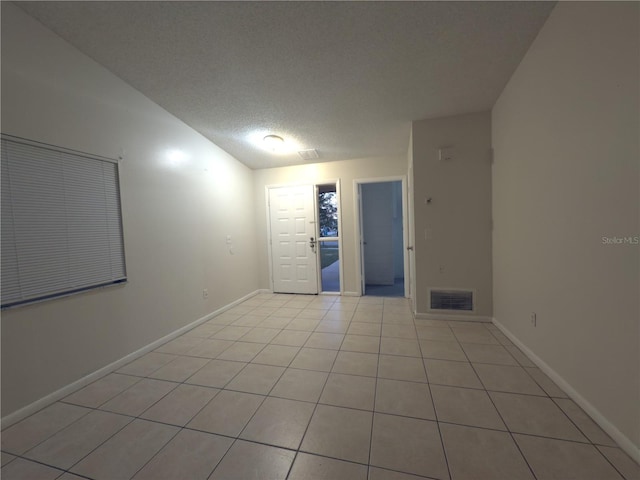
{"x": 452, "y": 300}
{"x": 311, "y": 154}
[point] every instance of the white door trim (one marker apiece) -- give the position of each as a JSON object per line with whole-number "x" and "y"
{"x": 358, "y": 228}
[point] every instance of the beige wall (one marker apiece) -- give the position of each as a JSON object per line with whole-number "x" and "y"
{"x": 565, "y": 134}
{"x": 457, "y": 222}
{"x": 176, "y": 216}
{"x": 346, "y": 171}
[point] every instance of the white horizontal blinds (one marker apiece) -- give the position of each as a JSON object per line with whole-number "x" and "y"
{"x": 61, "y": 212}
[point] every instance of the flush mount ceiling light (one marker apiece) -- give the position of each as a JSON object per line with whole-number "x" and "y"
{"x": 274, "y": 143}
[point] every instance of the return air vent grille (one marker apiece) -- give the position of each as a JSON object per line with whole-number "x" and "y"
{"x": 452, "y": 300}
{"x": 311, "y": 154}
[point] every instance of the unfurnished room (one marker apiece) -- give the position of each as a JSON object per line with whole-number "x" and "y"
{"x": 340, "y": 240}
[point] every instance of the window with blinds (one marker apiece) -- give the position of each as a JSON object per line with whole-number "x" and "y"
{"x": 61, "y": 222}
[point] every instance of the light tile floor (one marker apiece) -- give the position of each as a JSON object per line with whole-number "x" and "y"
{"x": 304, "y": 387}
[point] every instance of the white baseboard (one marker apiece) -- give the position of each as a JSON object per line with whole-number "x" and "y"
{"x": 620, "y": 438}
{"x": 32, "y": 408}
{"x": 351, "y": 294}
{"x": 453, "y": 316}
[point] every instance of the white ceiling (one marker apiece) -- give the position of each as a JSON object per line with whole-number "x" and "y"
{"x": 345, "y": 78}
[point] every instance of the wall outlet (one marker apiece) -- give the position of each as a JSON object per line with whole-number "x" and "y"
{"x": 205, "y": 293}
{"x": 534, "y": 319}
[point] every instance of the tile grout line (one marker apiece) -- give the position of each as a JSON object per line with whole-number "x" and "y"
{"x": 554, "y": 401}
{"x": 158, "y": 451}
{"x": 297, "y": 451}
{"x": 433, "y": 403}
{"x": 22, "y": 455}
{"x": 243, "y": 370}
{"x": 93, "y": 409}
{"x": 133, "y": 417}
{"x": 315, "y": 408}
{"x": 503, "y": 420}
{"x": 181, "y": 428}
{"x": 236, "y": 438}
{"x": 375, "y": 395}
{"x": 594, "y": 445}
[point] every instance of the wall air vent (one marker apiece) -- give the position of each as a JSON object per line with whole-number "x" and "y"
{"x": 311, "y": 154}
{"x": 458, "y": 300}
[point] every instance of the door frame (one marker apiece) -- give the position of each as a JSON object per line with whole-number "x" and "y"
{"x": 412, "y": 234}
{"x": 314, "y": 184}
{"x": 357, "y": 198}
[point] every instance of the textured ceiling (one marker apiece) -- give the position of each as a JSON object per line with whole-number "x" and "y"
{"x": 345, "y": 78}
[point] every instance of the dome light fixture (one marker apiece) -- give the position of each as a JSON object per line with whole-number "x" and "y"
{"x": 275, "y": 143}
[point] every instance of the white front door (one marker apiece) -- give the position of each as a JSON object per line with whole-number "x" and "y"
{"x": 293, "y": 232}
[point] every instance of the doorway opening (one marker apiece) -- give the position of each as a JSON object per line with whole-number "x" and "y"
{"x": 382, "y": 238}
{"x": 304, "y": 238}
{"x": 328, "y": 238}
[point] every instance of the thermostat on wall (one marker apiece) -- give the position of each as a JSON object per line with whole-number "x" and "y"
{"x": 445, "y": 154}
